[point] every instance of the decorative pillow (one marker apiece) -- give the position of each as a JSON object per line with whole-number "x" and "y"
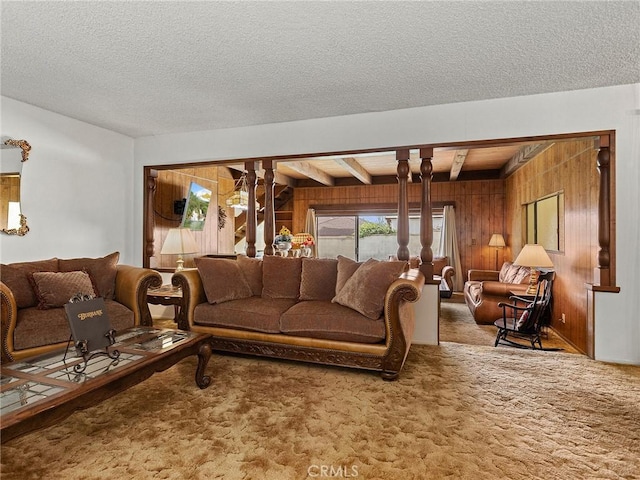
{"x": 222, "y": 279}
{"x": 522, "y": 321}
{"x": 281, "y": 276}
{"x": 16, "y": 276}
{"x": 252, "y": 270}
{"x": 55, "y": 289}
{"x": 103, "y": 270}
{"x": 318, "y": 278}
{"x": 346, "y": 268}
{"x": 365, "y": 291}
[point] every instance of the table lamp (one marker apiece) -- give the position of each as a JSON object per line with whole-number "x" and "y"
{"x": 533, "y": 256}
{"x": 179, "y": 241}
{"x": 497, "y": 241}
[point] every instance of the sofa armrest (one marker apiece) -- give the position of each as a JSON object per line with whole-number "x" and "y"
{"x": 498, "y": 289}
{"x": 192, "y": 293}
{"x": 399, "y": 319}
{"x": 447, "y": 275}
{"x": 481, "y": 275}
{"x": 132, "y": 284}
{"x": 9, "y": 313}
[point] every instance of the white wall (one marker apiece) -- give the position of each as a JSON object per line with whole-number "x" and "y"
{"x": 617, "y": 320}
{"x": 77, "y": 188}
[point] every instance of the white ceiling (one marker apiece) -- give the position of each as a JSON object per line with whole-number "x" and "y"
{"x": 146, "y": 68}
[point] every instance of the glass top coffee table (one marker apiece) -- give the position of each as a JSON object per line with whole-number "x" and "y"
{"x": 39, "y": 391}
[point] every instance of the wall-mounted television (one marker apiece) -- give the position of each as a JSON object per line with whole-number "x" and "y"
{"x": 195, "y": 212}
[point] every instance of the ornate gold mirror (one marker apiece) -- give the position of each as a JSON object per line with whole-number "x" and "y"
{"x": 13, "y": 154}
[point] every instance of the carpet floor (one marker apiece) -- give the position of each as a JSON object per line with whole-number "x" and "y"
{"x": 458, "y": 411}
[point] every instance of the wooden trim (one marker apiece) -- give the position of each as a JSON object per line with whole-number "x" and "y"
{"x": 402, "y": 156}
{"x": 148, "y": 226}
{"x": 426, "y": 220}
{"x": 269, "y": 209}
{"x": 252, "y": 218}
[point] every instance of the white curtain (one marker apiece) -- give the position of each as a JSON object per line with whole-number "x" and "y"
{"x": 448, "y": 246}
{"x": 310, "y": 228}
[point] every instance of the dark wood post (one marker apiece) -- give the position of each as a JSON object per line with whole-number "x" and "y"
{"x": 426, "y": 215}
{"x": 403, "y": 204}
{"x": 150, "y": 217}
{"x": 252, "y": 217}
{"x": 604, "y": 214}
{"x": 269, "y": 210}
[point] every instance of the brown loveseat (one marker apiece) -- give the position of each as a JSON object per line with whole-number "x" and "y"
{"x": 32, "y": 295}
{"x": 329, "y": 311}
{"x": 485, "y": 289}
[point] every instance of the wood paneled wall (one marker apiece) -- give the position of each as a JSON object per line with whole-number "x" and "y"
{"x": 173, "y": 185}
{"x": 479, "y": 207}
{"x": 569, "y": 167}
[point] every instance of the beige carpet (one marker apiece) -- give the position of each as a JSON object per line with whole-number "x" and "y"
{"x": 458, "y": 411}
{"x": 457, "y": 325}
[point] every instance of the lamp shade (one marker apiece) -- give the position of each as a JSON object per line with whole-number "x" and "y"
{"x": 533, "y": 255}
{"x": 178, "y": 242}
{"x": 497, "y": 240}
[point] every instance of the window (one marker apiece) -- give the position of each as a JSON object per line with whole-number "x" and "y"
{"x": 545, "y": 222}
{"x": 376, "y": 238}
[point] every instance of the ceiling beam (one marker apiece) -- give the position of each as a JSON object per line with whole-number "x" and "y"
{"x": 352, "y": 166}
{"x": 523, "y": 155}
{"x": 458, "y": 162}
{"x": 308, "y": 170}
{"x": 279, "y": 178}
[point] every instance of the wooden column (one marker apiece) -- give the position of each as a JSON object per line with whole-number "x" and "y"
{"x": 252, "y": 217}
{"x": 150, "y": 218}
{"x": 426, "y": 215}
{"x": 269, "y": 210}
{"x": 603, "y": 271}
{"x": 403, "y": 204}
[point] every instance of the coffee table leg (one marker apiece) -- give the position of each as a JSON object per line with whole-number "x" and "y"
{"x": 204, "y": 354}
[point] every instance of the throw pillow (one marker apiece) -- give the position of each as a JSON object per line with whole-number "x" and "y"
{"x": 252, "y": 270}
{"x": 16, "y": 276}
{"x": 318, "y": 278}
{"x": 346, "y": 268}
{"x": 55, "y": 289}
{"x": 281, "y": 276}
{"x": 365, "y": 291}
{"x": 103, "y": 270}
{"x": 222, "y": 279}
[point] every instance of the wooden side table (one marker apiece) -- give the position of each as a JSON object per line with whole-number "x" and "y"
{"x": 168, "y": 295}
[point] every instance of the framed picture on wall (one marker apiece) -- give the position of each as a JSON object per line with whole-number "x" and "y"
{"x": 195, "y": 211}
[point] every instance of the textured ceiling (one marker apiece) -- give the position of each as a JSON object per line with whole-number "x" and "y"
{"x": 145, "y": 68}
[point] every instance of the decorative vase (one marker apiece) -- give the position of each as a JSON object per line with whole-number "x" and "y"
{"x": 283, "y": 248}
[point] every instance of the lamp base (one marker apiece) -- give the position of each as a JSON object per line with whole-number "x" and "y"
{"x": 179, "y": 264}
{"x": 533, "y": 282}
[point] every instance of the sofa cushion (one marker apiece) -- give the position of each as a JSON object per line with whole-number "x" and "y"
{"x": 346, "y": 268}
{"x": 252, "y": 270}
{"x": 256, "y": 314}
{"x": 365, "y": 291}
{"x": 281, "y": 276}
{"x": 510, "y": 273}
{"x": 318, "y": 280}
{"x": 16, "y": 277}
{"x": 103, "y": 270}
{"x": 222, "y": 279}
{"x": 54, "y": 289}
{"x": 331, "y": 321}
{"x": 36, "y": 328}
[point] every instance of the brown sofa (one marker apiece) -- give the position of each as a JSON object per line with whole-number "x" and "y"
{"x": 485, "y": 289}
{"x": 328, "y": 311}
{"x": 32, "y": 295}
